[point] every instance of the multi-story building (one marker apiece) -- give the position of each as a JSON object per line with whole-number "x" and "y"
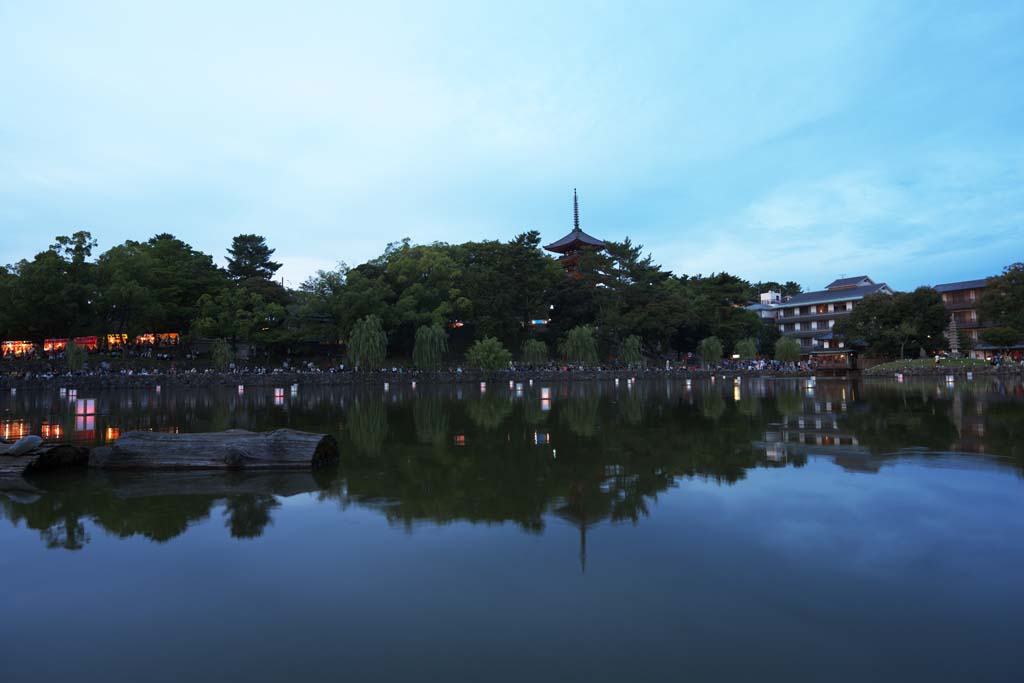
{"x": 963, "y": 301}
{"x": 768, "y": 305}
{"x": 809, "y": 317}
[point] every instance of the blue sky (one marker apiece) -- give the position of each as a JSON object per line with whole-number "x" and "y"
{"x": 776, "y": 141}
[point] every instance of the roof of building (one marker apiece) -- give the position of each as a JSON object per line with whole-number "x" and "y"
{"x": 577, "y": 237}
{"x": 761, "y": 307}
{"x": 958, "y": 286}
{"x": 832, "y": 295}
{"x": 850, "y": 282}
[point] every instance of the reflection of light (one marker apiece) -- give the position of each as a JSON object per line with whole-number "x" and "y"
{"x": 483, "y": 387}
{"x": 531, "y": 382}
{"x": 541, "y": 438}
{"x": 278, "y": 396}
{"x": 51, "y": 431}
{"x": 616, "y": 381}
{"x": 15, "y": 429}
{"x": 387, "y": 386}
{"x": 545, "y": 404}
{"x": 414, "y": 384}
{"x": 241, "y": 389}
{"x": 85, "y": 423}
{"x": 510, "y": 384}
{"x": 736, "y": 393}
{"x": 460, "y": 440}
{"x": 112, "y": 434}
{"x": 810, "y": 391}
{"x": 158, "y": 388}
{"x": 545, "y": 393}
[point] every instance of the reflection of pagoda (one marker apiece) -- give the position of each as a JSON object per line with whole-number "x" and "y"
{"x": 574, "y": 511}
{"x": 575, "y": 242}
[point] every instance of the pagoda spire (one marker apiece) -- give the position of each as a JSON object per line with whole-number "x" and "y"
{"x": 575, "y": 212}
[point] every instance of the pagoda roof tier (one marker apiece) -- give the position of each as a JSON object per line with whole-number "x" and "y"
{"x": 574, "y": 240}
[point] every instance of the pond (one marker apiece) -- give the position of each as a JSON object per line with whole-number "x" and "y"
{"x": 754, "y": 530}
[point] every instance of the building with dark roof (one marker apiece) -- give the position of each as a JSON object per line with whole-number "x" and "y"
{"x": 809, "y": 317}
{"x": 966, "y": 324}
{"x": 575, "y": 242}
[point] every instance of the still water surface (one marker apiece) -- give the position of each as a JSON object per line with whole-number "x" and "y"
{"x": 769, "y": 530}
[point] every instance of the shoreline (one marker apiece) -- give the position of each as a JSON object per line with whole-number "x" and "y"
{"x": 351, "y": 378}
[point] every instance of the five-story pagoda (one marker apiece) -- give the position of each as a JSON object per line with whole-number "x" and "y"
{"x": 576, "y": 241}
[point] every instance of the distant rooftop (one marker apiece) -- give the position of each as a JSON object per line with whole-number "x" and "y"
{"x": 844, "y": 282}
{"x": 959, "y": 286}
{"x": 831, "y": 295}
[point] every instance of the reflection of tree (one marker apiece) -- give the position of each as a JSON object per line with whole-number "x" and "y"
{"x": 631, "y": 408}
{"x": 431, "y": 419}
{"x": 368, "y": 425}
{"x": 249, "y": 514}
{"x": 489, "y": 411}
{"x": 580, "y": 414}
{"x": 712, "y": 405}
{"x": 154, "y": 505}
{"x": 789, "y": 402}
{"x": 533, "y": 413}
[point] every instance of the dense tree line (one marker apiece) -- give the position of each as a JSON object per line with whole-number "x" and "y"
{"x": 619, "y": 299}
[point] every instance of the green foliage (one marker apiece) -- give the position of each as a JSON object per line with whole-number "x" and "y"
{"x": 897, "y": 325}
{"x": 1002, "y": 303}
{"x": 535, "y": 352}
{"x": 75, "y": 356}
{"x": 368, "y": 426}
{"x": 1002, "y": 337}
{"x": 249, "y": 257}
{"x": 630, "y": 352}
{"x": 488, "y": 354}
{"x": 221, "y": 354}
{"x": 489, "y": 411}
{"x": 746, "y": 348}
{"x": 787, "y": 350}
{"x": 580, "y": 346}
{"x": 710, "y": 350}
{"x": 239, "y": 315}
{"x": 367, "y": 345}
{"x": 431, "y": 345}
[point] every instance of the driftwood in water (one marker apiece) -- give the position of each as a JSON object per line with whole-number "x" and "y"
{"x": 233, "y": 449}
{"x": 45, "y": 457}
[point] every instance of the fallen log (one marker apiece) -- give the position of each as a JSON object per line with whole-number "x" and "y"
{"x": 43, "y": 458}
{"x": 233, "y": 449}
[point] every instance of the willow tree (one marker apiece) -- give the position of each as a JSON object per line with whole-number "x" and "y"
{"x": 220, "y": 353}
{"x": 488, "y": 354}
{"x": 430, "y": 347}
{"x": 580, "y": 345}
{"x": 787, "y": 350}
{"x": 746, "y": 348}
{"x": 630, "y": 352}
{"x": 75, "y": 356}
{"x": 367, "y": 344}
{"x": 710, "y": 350}
{"x": 535, "y": 352}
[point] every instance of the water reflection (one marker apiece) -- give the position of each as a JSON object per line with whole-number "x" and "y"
{"x": 583, "y": 453}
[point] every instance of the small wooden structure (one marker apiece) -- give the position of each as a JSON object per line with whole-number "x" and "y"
{"x": 233, "y": 449}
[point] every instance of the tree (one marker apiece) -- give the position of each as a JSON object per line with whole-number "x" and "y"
{"x": 535, "y": 352}
{"x": 220, "y": 353}
{"x": 580, "y": 346}
{"x": 239, "y": 315}
{"x": 1002, "y": 303}
{"x": 746, "y": 348}
{"x": 431, "y": 345}
{"x": 630, "y": 352}
{"x": 710, "y": 350}
{"x": 904, "y": 323}
{"x": 488, "y": 354}
{"x": 1001, "y": 337}
{"x": 249, "y": 257}
{"x": 75, "y": 356}
{"x": 787, "y": 350}
{"x": 367, "y": 345}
